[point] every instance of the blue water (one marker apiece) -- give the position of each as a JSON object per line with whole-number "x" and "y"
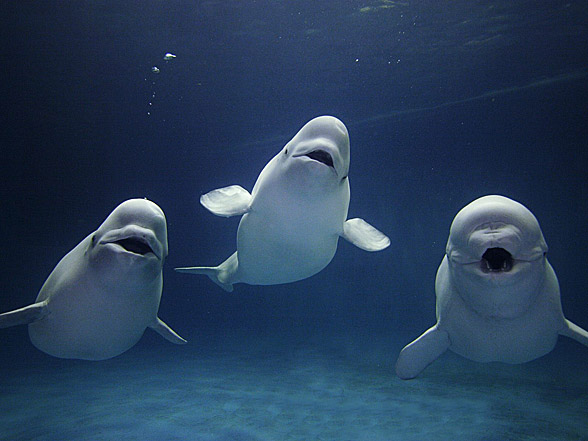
{"x": 444, "y": 102}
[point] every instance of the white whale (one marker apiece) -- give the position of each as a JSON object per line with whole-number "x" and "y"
{"x": 105, "y": 292}
{"x": 295, "y": 214}
{"x": 498, "y": 297}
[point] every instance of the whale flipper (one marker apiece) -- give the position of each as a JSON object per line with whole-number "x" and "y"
{"x": 227, "y": 201}
{"x": 166, "y": 332}
{"x": 574, "y": 331}
{"x": 422, "y": 352}
{"x": 364, "y": 236}
{"x": 221, "y": 275}
{"x": 24, "y": 316}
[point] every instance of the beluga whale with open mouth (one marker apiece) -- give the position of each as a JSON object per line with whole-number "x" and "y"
{"x": 294, "y": 216}
{"x": 105, "y": 292}
{"x": 498, "y": 297}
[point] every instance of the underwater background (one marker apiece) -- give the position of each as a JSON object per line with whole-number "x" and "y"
{"x": 445, "y": 101}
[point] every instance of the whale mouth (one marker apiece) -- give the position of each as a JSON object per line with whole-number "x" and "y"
{"x": 496, "y": 260}
{"x": 321, "y": 156}
{"x": 135, "y": 245}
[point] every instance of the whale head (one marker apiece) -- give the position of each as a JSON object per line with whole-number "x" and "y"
{"x": 133, "y": 237}
{"x": 496, "y": 254}
{"x": 319, "y": 152}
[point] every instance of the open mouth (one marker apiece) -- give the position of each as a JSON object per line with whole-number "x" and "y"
{"x": 135, "y": 245}
{"x": 321, "y": 156}
{"x": 496, "y": 260}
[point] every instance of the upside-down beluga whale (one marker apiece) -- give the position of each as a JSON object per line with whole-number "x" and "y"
{"x": 105, "y": 292}
{"x": 294, "y": 216}
{"x": 498, "y": 297}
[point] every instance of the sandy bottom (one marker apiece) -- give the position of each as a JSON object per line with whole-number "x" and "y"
{"x": 294, "y": 393}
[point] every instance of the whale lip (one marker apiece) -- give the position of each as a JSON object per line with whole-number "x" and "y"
{"x": 134, "y": 240}
{"x": 321, "y": 156}
{"x": 135, "y": 245}
{"x": 496, "y": 260}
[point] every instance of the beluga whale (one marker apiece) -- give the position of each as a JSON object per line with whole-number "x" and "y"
{"x": 293, "y": 218}
{"x": 105, "y": 292}
{"x": 498, "y": 297}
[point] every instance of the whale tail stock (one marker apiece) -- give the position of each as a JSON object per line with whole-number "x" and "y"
{"x": 221, "y": 275}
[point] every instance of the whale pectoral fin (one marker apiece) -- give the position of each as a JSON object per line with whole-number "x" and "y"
{"x": 227, "y": 201}
{"x": 166, "y": 332}
{"x": 364, "y": 236}
{"x": 572, "y": 330}
{"x": 417, "y": 355}
{"x": 24, "y": 316}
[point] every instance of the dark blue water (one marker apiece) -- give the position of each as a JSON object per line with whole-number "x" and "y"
{"x": 444, "y": 102}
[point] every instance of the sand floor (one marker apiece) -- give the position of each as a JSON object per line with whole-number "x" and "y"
{"x": 294, "y": 393}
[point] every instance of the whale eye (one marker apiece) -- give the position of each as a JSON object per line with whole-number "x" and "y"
{"x": 286, "y": 152}
{"x": 93, "y": 239}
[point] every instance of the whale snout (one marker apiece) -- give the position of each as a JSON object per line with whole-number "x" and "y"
{"x": 322, "y": 144}
{"x": 494, "y": 243}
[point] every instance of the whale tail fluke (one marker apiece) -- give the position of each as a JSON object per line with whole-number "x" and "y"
{"x": 574, "y": 331}
{"x": 211, "y": 271}
{"x": 222, "y": 275}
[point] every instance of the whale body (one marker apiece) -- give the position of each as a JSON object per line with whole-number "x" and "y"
{"x": 293, "y": 218}
{"x": 104, "y": 293}
{"x": 498, "y": 297}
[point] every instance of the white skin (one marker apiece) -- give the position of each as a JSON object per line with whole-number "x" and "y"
{"x": 104, "y": 293}
{"x": 298, "y": 204}
{"x": 498, "y": 297}
{"x": 295, "y": 214}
